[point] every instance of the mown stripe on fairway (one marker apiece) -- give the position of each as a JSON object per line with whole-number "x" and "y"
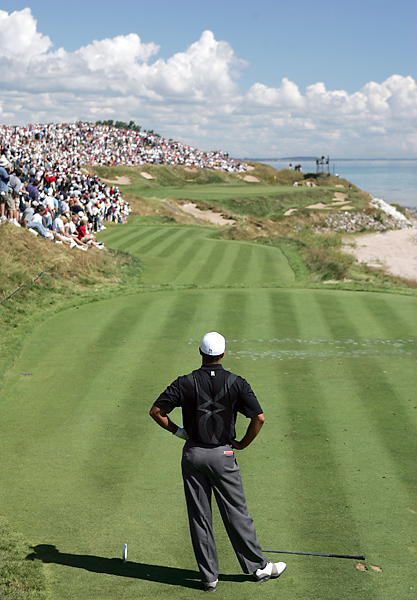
{"x": 211, "y": 305}
{"x": 166, "y": 240}
{"x": 398, "y": 378}
{"x": 283, "y": 321}
{"x": 131, "y": 238}
{"x": 239, "y": 265}
{"x": 189, "y": 263}
{"x": 94, "y": 358}
{"x": 168, "y": 268}
{"x": 124, "y": 236}
{"x": 234, "y": 263}
{"x": 186, "y": 252}
{"x": 232, "y": 317}
{"x": 396, "y": 314}
{"x": 343, "y": 323}
{"x": 372, "y": 369}
{"x": 139, "y": 247}
{"x": 217, "y": 264}
{"x": 331, "y": 309}
{"x": 309, "y": 504}
{"x": 114, "y": 232}
{"x": 178, "y": 236}
{"x": 135, "y": 445}
{"x": 375, "y": 463}
{"x": 152, "y": 337}
{"x": 85, "y": 424}
{"x": 142, "y": 237}
{"x": 310, "y": 389}
{"x": 161, "y": 243}
{"x": 259, "y": 321}
{"x": 205, "y": 265}
{"x": 363, "y": 308}
{"x": 266, "y": 263}
{"x": 224, "y": 262}
{"x": 312, "y": 322}
{"x": 272, "y": 265}
{"x": 80, "y": 347}
{"x": 386, "y": 408}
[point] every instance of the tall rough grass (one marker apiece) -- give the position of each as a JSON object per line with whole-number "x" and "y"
{"x": 20, "y": 578}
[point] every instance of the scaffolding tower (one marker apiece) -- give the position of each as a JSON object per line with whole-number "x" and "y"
{"x": 323, "y": 165}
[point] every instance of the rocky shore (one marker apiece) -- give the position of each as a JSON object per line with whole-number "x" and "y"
{"x": 381, "y": 217}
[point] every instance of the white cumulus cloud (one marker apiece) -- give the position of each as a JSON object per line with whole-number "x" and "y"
{"x": 286, "y": 96}
{"x": 19, "y": 38}
{"x": 194, "y": 96}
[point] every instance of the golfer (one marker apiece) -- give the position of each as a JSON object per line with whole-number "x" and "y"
{"x": 210, "y": 399}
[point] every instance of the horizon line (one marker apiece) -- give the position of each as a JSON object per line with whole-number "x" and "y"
{"x": 312, "y": 158}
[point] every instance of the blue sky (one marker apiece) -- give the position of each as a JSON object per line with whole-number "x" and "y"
{"x": 286, "y": 78}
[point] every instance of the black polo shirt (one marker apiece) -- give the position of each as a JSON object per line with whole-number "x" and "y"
{"x": 210, "y": 398}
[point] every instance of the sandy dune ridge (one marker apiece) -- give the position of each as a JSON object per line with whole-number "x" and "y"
{"x": 395, "y": 250}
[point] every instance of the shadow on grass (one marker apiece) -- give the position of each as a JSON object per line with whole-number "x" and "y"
{"x": 115, "y": 566}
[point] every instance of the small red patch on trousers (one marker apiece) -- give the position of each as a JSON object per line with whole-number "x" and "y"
{"x": 228, "y": 452}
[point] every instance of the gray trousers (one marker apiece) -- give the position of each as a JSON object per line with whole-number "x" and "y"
{"x": 209, "y": 469}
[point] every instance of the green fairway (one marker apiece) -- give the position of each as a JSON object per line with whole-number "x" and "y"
{"x": 254, "y": 199}
{"x": 84, "y": 469}
{"x": 188, "y": 256}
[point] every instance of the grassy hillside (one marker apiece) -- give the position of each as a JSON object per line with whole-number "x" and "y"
{"x": 39, "y": 278}
{"x": 270, "y": 196}
{"x": 258, "y": 209}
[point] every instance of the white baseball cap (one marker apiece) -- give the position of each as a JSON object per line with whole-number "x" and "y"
{"x": 213, "y": 344}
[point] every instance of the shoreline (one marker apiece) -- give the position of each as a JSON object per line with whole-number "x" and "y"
{"x": 393, "y": 180}
{"x": 395, "y": 251}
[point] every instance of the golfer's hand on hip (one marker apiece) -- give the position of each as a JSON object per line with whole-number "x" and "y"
{"x": 236, "y": 445}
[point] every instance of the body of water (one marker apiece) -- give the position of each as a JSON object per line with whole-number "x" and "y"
{"x": 391, "y": 180}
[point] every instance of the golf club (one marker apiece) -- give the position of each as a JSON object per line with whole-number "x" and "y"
{"x": 124, "y": 553}
{"x": 317, "y": 554}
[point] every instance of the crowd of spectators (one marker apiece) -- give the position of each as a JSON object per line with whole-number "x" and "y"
{"x": 104, "y": 145}
{"x": 44, "y": 187}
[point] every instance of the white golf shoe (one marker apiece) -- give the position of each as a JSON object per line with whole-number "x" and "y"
{"x": 271, "y": 571}
{"x": 210, "y": 586}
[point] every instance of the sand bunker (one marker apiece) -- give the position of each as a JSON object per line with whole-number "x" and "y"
{"x": 290, "y": 211}
{"x": 339, "y": 197}
{"x": 118, "y": 181}
{"x": 320, "y": 206}
{"x": 251, "y": 179}
{"x": 339, "y": 200}
{"x": 147, "y": 176}
{"x": 206, "y": 215}
{"x": 395, "y": 251}
{"x": 250, "y": 168}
